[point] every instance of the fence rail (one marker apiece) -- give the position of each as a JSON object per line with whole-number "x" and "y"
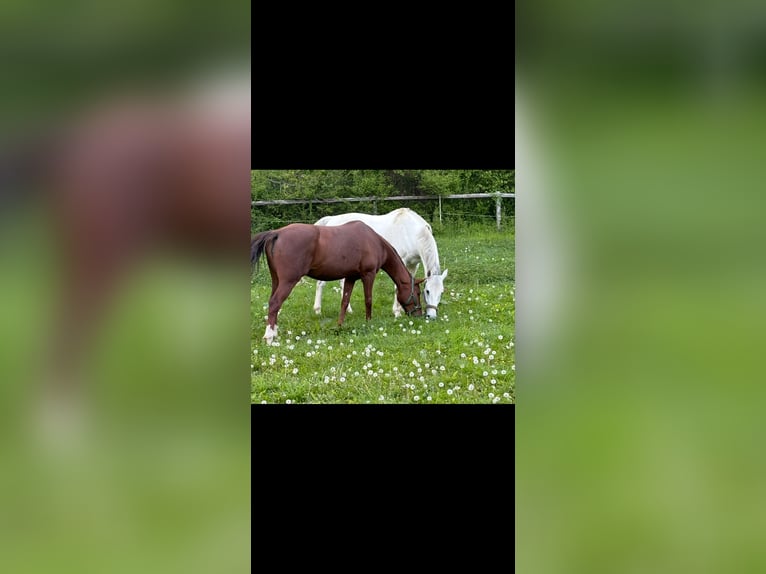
{"x": 497, "y": 196}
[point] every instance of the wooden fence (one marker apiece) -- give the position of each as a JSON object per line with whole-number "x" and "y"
{"x": 374, "y": 200}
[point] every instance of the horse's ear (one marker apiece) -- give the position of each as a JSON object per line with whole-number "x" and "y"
{"x": 419, "y": 281}
{"x": 444, "y": 275}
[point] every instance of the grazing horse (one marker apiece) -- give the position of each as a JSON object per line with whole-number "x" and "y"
{"x": 351, "y": 251}
{"x": 136, "y": 175}
{"x": 412, "y": 238}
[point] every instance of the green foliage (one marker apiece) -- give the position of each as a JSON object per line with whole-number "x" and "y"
{"x": 266, "y": 185}
{"x": 59, "y": 57}
{"x": 441, "y": 182}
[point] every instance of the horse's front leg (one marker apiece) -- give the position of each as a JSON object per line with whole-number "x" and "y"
{"x": 367, "y": 281}
{"x": 348, "y": 287}
{"x": 397, "y": 308}
{"x": 342, "y": 285}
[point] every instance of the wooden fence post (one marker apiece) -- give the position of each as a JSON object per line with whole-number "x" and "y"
{"x": 498, "y": 209}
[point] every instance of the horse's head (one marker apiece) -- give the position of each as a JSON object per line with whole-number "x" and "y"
{"x": 412, "y": 304}
{"x": 434, "y": 287}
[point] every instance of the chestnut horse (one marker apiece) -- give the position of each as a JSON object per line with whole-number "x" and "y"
{"x": 137, "y": 178}
{"x": 351, "y": 251}
{"x": 130, "y": 178}
{"x": 413, "y": 239}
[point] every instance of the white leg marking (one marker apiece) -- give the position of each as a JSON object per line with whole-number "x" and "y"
{"x": 270, "y": 334}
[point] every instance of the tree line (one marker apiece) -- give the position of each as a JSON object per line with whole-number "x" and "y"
{"x": 330, "y": 184}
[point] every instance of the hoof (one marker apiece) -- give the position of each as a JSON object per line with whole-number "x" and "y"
{"x": 270, "y": 333}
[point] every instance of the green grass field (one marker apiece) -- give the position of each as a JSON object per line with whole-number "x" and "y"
{"x": 467, "y": 355}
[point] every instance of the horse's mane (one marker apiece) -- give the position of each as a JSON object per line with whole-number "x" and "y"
{"x": 430, "y": 253}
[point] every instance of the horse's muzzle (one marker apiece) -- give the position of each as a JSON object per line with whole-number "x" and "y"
{"x": 416, "y": 311}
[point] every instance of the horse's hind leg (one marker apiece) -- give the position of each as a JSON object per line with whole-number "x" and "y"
{"x": 318, "y": 297}
{"x": 271, "y": 328}
{"x": 278, "y": 296}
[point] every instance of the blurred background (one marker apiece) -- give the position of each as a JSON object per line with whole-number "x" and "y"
{"x": 124, "y": 175}
{"x": 641, "y": 286}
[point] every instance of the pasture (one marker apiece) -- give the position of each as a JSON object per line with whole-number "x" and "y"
{"x": 466, "y": 355}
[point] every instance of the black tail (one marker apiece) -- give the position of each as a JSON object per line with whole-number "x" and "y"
{"x": 258, "y": 246}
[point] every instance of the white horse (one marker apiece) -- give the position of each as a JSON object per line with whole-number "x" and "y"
{"x": 413, "y": 239}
